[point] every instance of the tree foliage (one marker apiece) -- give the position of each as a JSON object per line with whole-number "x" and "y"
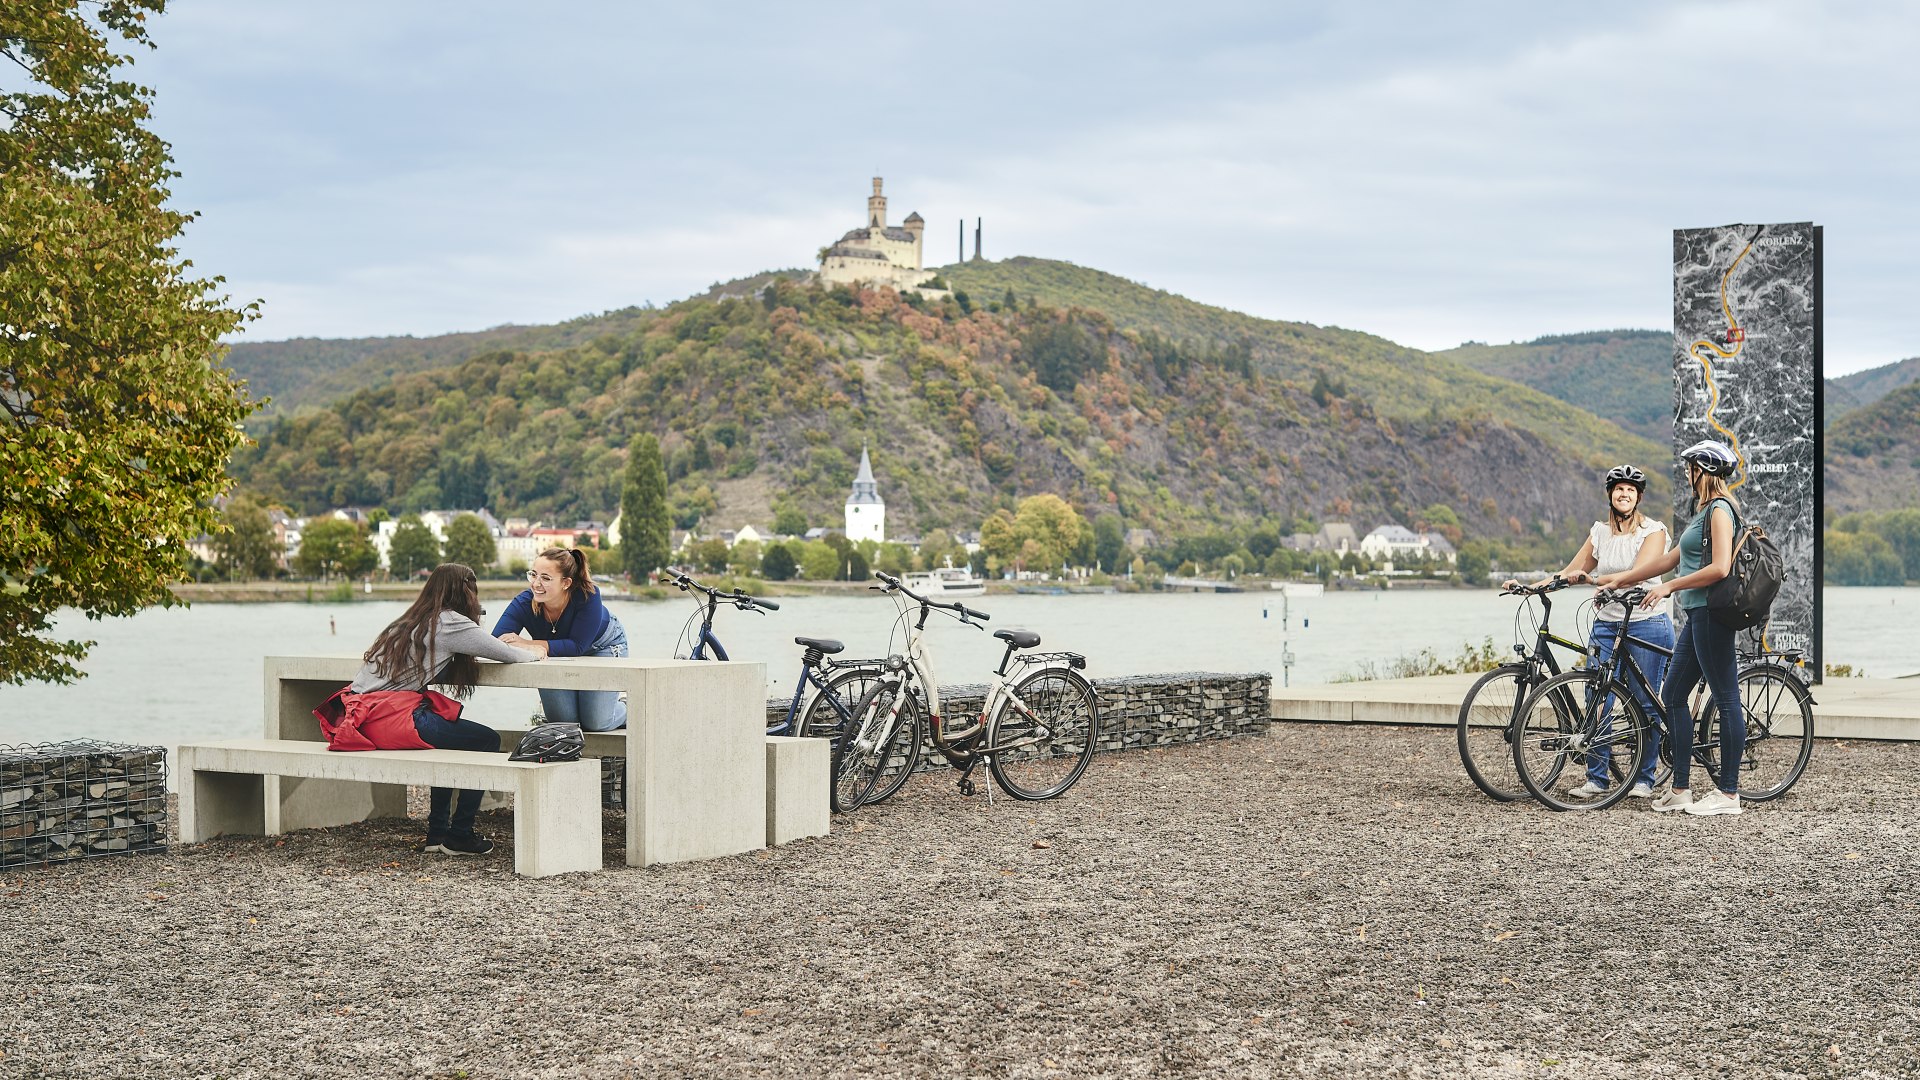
{"x": 413, "y": 547}
{"x": 246, "y": 549}
{"x": 115, "y": 424}
{"x": 644, "y": 531}
{"x": 470, "y": 542}
{"x": 332, "y": 545}
{"x": 777, "y": 564}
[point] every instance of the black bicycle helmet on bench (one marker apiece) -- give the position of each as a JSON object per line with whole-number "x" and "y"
{"x": 550, "y": 742}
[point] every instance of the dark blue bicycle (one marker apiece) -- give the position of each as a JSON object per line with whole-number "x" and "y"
{"x": 827, "y": 689}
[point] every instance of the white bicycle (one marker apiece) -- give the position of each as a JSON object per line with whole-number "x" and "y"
{"x": 1036, "y": 730}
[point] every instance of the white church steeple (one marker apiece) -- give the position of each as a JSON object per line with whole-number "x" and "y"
{"x": 866, "y": 511}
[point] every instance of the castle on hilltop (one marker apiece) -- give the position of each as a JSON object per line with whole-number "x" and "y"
{"x": 877, "y": 253}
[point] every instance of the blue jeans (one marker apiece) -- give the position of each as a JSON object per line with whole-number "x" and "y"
{"x": 443, "y": 817}
{"x": 1705, "y": 648}
{"x": 593, "y": 710}
{"x": 1654, "y": 630}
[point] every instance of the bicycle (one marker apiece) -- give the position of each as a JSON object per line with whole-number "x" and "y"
{"x": 1037, "y": 729}
{"x": 826, "y": 691}
{"x": 1483, "y": 728}
{"x": 1590, "y": 717}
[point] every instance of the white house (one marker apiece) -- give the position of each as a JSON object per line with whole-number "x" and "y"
{"x": 1393, "y": 543}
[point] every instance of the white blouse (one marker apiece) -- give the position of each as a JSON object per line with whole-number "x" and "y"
{"x": 1617, "y": 552}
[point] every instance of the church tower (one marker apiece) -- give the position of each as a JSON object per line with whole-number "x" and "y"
{"x": 866, "y": 513}
{"x": 876, "y": 207}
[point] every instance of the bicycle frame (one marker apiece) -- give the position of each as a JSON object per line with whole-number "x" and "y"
{"x": 959, "y": 748}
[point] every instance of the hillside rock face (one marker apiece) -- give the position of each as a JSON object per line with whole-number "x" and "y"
{"x": 966, "y": 405}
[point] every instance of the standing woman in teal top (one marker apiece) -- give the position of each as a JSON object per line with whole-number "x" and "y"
{"x": 1703, "y": 556}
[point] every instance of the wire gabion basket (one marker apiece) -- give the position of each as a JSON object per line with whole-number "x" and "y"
{"x": 81, "y": 799}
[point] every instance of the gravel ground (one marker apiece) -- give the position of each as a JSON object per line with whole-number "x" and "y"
{"x": 1322, "y": 901}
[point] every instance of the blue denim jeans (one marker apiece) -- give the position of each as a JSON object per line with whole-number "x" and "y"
{"x": 1705, "y": 649}
{"x": 443, "y": 817}
{"x": 1655, "y": 630}
{"x": 593, "y": 710}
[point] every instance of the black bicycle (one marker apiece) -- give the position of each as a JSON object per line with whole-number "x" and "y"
{"x": 1590, "y": 722}
{"x": 827, "y": 690}
{"x": 1484, "y": 726}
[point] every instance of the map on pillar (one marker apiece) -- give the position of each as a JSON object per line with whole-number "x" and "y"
{"x": 1746, "y": 372}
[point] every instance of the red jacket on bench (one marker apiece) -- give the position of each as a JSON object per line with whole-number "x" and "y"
{"x": 381, "y": 720}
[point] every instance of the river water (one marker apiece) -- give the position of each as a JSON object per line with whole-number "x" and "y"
{"x": 186, "y": 674}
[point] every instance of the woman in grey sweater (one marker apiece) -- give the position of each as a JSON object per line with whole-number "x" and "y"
{"x": 388, "y": 706}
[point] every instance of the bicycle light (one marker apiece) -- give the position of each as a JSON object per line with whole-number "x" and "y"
{"x": 896, "y": 662}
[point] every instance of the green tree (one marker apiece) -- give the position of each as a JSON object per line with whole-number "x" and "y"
{"x": 709, "y": 555}
{"x": 332, "y": 545}
{"x": 246, "y": 550}
{"x": 644, "y": 530}
{"x": 1474, "y": 563}
{"x": 1110, "y": 543}
{"x": 854, "y": 566}
{"x": 1862, "y": 558}
{"x": 744, "y": 559}
{"x": 788, "y": 520}
{"x": 777, "y": 564}
{"x": 413, "y": 548}
{"x": 115, "y": 422}
{"x": 1054, "y": 528}
{"x": 819, "y": 561}
{"x": 999, "y": 540}
{"x": 470, "y": 542}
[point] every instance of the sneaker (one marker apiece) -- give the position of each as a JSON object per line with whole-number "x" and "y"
{"x": 1671, "y": 801}
{"x": 434, "y": 843}
{"x": 1641, "y": 790}
{"x": 1715, "y": 803}
{"x": 1587, "y": 790}
{"x": 467, "y": 844}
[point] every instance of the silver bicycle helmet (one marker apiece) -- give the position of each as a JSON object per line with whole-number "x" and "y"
{"x": 550, "y": 742}
{"x": 1713, "y": 458}
{"x": 1626, "y": 474}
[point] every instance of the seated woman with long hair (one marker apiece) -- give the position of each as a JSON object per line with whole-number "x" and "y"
{"x": 388, "y": 705}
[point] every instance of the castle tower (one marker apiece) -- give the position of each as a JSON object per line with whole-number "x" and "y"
{"x": 916, "y": 225}
{"x": 866, "y": 513}
{"x": 876, "y": 207}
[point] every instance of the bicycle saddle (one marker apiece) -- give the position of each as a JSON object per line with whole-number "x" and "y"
{"x": 825, "y": 645}
{"x": 1019, "y": 639}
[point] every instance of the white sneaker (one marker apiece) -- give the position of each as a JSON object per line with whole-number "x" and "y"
{"x": 1671, "y": 801}
{"x": 1715, "y": 803}
{"x": 1641, "y": 790}
{"x": 1587, "y": 790}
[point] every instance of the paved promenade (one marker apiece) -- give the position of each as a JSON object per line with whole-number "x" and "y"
{"x": 1843, "y": 708}
{"x": 1324, "y": 901}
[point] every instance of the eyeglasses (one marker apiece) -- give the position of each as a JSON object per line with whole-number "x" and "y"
{"x": 535, "y": 575}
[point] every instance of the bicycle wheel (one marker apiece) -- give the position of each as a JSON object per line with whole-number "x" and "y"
{"x": 1044, "y": 734}
{"x": 1572, "y": 727}
{"x": 831, "y": 707}
{"x": 1779, "y": 733}
{"x": 878, "y": 746}
{"x": 1483, "y": 731}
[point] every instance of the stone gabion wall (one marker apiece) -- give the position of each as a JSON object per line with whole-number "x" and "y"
{"x": 80, "y": 800}
{"x": 1139, "y": 710}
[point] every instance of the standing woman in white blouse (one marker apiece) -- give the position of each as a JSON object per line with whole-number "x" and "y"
{"x": 1612, "y": 548}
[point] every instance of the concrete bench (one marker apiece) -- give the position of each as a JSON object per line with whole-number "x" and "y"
{"x": 797, "y": 776}
{"x": 694, "y": 747}
{"x": 556, "y": 809}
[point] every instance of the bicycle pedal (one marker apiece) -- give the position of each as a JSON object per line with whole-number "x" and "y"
{"x": 967, "y": 787}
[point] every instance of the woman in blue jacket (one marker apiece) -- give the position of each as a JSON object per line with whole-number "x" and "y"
{"x": 560, "y": 614}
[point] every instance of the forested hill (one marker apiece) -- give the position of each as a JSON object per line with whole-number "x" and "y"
{"x": 316, "y": 371}
{"x": 1873, "y": 454}
{"x": 1625, "y": 376}
{"x": 966, "y": 405}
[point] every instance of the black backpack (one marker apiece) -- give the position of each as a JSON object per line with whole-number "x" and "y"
{"x": 1744, "y": 597}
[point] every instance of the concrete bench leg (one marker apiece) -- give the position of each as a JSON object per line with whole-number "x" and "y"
{"x": 696, "y": 764}
{"x": 215, "y": 804}
{"x": 556, "y": 821}
{"x": 797, "y": 798}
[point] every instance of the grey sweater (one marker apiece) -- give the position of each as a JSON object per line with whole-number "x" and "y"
{"x": 455, "y": 634}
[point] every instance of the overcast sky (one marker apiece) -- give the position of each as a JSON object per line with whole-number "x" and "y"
{"x": 1431, "y": 172}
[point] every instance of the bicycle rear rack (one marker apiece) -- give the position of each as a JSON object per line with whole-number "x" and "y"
{"x": 1072, "y": 659}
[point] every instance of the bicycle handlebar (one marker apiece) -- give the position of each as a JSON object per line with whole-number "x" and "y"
{"x": 737, "y": 598}
{"x": 1553, "y": 584}
{"x": 893, "y": 584}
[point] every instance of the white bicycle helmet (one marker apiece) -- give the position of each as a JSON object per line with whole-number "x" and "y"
{"x": 1714, "y": 459}
{"x": 1626, "y": 474}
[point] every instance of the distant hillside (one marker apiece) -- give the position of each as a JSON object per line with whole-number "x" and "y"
{"x": 314, "y": 371}
{"x": 1625, "y": 376}
{"x": 770, "y": 400}
{"x": 1848, "y": 392}
{"x": 1873, "y": 454}
{"x": 1399, "y": 382}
